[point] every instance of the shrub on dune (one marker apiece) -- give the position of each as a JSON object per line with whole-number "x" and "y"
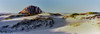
{"x": 64, "y": 17}
{"x": 74, "y": 15}
{"x": 55, "y": 14}
{"x": 92, "y": 12}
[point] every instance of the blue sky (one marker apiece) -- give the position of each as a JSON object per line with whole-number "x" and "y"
{"x": 58, "y": 6}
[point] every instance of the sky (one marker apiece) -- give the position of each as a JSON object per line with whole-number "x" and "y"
{"x": 54, "y": 6}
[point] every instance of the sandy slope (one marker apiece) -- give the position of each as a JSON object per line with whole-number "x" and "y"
{"x": 59, "y": 22}
{"x": 84, "y": 27}
{"x": 62, "y": 26}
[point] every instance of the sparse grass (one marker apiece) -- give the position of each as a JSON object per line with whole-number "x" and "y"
{"x": 64, "y": 17}
{"x": 92, "y": 12}
{"x": 7, "y": 18}
{"x": 56, "y": 14}
{"x": 75, "y": 24}
{"x": 74, "y": 15}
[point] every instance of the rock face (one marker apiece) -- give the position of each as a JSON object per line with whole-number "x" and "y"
{"x": 27, "y": 25}
{"x": 33, "y": 24}
{"x": 31, "y": 10}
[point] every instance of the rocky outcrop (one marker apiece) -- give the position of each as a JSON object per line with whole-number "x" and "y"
{"x": 33, "y": 24}
{"x": 27, "y": 25}
{"x": 31, "y": 10}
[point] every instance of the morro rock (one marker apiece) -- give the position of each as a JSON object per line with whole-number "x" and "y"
{"x": 31, "y": 10}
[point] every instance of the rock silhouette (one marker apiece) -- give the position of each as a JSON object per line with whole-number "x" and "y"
{"x": 31, "y": 10}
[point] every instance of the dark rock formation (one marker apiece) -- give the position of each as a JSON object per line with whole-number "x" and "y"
{"x": 31, "y": 10}
{"x": 33, "y": 24}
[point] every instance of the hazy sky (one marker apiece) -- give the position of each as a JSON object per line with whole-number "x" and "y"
{"x": 59, "y": 6}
